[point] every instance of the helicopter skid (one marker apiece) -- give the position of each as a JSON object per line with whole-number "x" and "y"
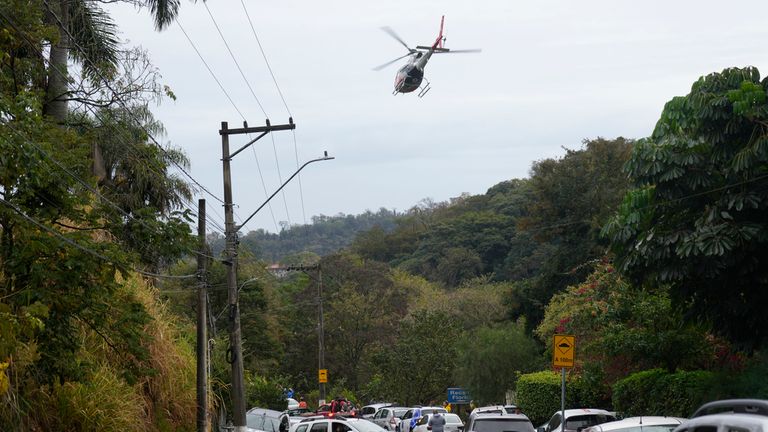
{"x": 424, "y": 89}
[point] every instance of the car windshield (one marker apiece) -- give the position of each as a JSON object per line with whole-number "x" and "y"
{"x": 501, "y": 425}
{"x": 400, "y": 413}
{"x": 452, "y": 418}
{"x": 366, "y": 426}
{"x": 583, "y": 421}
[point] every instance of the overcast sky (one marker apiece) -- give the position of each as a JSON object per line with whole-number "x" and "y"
{"x": 551, "y": 74}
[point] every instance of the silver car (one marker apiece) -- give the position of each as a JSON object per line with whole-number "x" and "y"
{"x": 389, "y": 417}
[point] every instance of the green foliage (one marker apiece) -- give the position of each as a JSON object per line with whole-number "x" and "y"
{"x": 697, "y": 216}
{"x": 489, "y": 360}
{"x": 538, "y": 395}
{"x": 570, "y": 200}
{"x": 658, "y": 392}
{"x": 324, "y": 236}
{"x": 102, "y": 402}
{"x": 263, "y": 393}
{"x": 417, "y": 366}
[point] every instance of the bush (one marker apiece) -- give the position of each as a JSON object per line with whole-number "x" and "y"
{"x": 658, "y": 392}
{"x": 538, "y": 395}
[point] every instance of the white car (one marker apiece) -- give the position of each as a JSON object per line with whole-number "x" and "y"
{"x": 414, "y": 414}
{"x": 494, "y": 409}
{"x": 728, "y": 422}
{"x": 577, "y": 419}
{"x": 389, "y": 417}
{"x": 500, "y": 423}
{"x": 452, "y": 423}
{"x": 639, "y": 424}
{"x": 336, "y": 424}
{"x": 368, "y": 411}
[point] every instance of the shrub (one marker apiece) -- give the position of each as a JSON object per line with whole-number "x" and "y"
{"x": 538, "y": 395}
{"x": 658, "y": 392}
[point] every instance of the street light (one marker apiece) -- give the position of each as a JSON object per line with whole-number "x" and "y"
{"x": 324, "y": 158}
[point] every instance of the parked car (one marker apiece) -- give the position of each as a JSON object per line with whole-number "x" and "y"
{"x": 368, "y": 411}
{"x": 577, "y": 420}
{"x": 335, "y": 424}
{"x": 727, "y": 422}
{"x": 267, "y": 420}
{"x": 452, "y": 423}
{"x": 414, "y": 414}
{"x": 389, "y": 417}
{"x": 500, "y": 423}
{"x": 494, "y": 409}
{"x": 733, "y": 406}
{"x": 639, "y": 424}
{"x": 292, "y": 403}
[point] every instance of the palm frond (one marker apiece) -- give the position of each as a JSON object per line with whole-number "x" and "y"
{"x": 95, "y": 33}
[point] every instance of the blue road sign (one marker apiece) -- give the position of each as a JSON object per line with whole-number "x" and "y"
{"x": 457, "y": 395}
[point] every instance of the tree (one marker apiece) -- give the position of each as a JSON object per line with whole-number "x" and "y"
{"x": 489, "y": 360}
{"x": 622, "y": 329}
{"x": 697, "y": 215}
{"x": 570, "y": 200}
{"x": 417, "y": 366}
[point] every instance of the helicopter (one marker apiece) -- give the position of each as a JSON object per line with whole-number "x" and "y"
{"x": 411, "y": 76}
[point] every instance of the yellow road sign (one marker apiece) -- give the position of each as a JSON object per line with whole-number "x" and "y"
{"x": 322, "y": 375}
{"x": 563, "y": 348}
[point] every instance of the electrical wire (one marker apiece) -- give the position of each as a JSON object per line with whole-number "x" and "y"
{"x": 209, "y": 70}
{"x": 231, "y": 54}
{"x": 258, "y": 102}
{"x": 86, "y": 249}
{"x": 287, "y": 109}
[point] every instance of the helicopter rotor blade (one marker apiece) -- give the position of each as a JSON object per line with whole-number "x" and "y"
{"x": 395, "y": 36}
{"x": 378, "y": 68}
{"x": 461, "y": 51}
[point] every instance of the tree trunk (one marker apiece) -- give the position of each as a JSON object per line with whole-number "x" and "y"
{"x": 56, "y": 103}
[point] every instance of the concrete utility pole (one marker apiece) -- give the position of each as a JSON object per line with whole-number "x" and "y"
{"x": 202, "y": 336}
{"x": 320, "y": 330}
{"x": 234, "y": 353}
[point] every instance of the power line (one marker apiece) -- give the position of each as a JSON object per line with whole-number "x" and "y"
{"x": 280, "y": 92}
{"x": 86, "y": 249}
{"x": 231, "y": 54}
{"x": 209, "y": 70}
{"x": 264, "y": 55}
{"x": 258, "y": 102}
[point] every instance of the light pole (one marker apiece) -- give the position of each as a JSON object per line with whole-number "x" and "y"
{"x": 234, "y": 353}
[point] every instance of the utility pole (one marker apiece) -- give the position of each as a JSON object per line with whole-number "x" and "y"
{"x": 202, "y": 337}
{"x": 320, "y": 330}
{"x": 235, "y": 351}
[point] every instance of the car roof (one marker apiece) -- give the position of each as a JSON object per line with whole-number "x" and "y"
{"x": 518, "y": 417}
{"x": 744, "y": 406}
{"x": 265, "y": 412}
{"x": 637, "y": 421}
{"x": 754, "y": 422}
{"x": 586, "y": 411}
{"x": 378, "y": 405}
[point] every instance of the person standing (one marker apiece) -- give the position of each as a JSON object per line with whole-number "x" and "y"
{"x": 436, "y": 422}
{"x": 302, "y": 403}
